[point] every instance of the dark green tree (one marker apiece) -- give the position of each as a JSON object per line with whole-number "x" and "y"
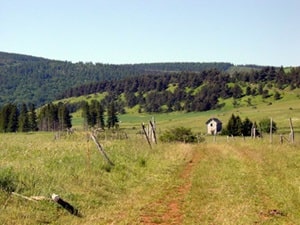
{"x": 53, "y": 117}
{"x": 93, "y": 113}
{"x": 112, "y": 118}
{"x": 43, "y": 119}
{"x": 265, "y": 93}
{"x": 248, "y": 90}
{"x": 277, "y": 95}
{"x": 281, "y": 79}
{"x": 254, "y": 91}
{"x": 237, "y": 91}
{"x": 131, "y": 99}
{"x": 234, "y": 126}
{"x": 260, "y": 88}
{"x": 100, "y": 116}
{"x": 13, "y": 118}
{"x": 246, "y": 127}
{"x": 32, "y": 117}
{"x": 96, "y": 113}
{"x": 64, "y": 117}
{"x": 24, "y": 125}
{"x": 5, "y": 117}
{"x": 85, "y": 113}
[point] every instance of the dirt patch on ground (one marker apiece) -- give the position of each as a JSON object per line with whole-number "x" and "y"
{"x": 171, "y": 206}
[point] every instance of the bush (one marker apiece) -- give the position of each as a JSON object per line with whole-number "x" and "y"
{"x": 7, "y": 180}
{"x": 179, "y": 134}
{"x": 265, "y": 123}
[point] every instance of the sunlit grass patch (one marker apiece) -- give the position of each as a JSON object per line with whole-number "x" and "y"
{"x": 242, "y": 182}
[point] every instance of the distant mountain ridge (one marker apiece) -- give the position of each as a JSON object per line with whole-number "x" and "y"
{"x": 38, "y": 80}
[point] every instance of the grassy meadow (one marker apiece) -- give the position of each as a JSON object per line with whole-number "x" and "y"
{"x": 227, "y": 181}
{"x": 245, "y": 183}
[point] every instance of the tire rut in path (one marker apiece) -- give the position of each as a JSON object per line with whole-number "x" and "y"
{"x": 173, "y": 203}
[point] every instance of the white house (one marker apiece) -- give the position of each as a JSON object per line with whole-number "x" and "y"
{"x": 214, "y": 126}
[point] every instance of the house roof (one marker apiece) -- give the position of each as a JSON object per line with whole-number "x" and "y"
{"x": 213, "y": 119}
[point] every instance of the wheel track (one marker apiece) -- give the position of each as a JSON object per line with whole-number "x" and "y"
{"x": 173, "y": 200}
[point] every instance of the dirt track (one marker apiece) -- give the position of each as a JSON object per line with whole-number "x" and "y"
{"x": 172, "y": 204}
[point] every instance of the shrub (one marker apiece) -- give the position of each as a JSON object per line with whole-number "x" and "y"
{"x": 179, "y": 134}
{"x": 265, "y": 123}
{"x": 7, "y": 180}
{"x": 277, "y": 95}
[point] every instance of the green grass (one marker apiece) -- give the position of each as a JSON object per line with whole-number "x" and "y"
{"x": 73, "y": 168}
{"x": 88, "y": 98}
{"x": 235, "y": 181}
{"x": 280, "y": 111}
{"x": 245, "y": 183}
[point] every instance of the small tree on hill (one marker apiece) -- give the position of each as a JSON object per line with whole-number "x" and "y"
{"x": 277, "y": 95}
{"x": 237, "y": 91}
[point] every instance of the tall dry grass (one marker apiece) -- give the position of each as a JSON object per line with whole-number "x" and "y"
{"x": 73, "y": 168}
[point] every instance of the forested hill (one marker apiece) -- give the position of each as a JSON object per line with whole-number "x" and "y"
{"x": 29, "y": 79}
{"x": 192, "y": 91}
{"x": 25, "y": 79}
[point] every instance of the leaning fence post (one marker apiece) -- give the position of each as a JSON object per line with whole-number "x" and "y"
{"x": 101, "y": 150}
{"x": 143, "y": 127}
{"x": 153, "y": 131}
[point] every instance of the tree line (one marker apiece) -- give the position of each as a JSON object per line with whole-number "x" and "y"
{"x": 93, "y": 115}
{"x": 238, "y": 127}
{"x": 22, "y": 119}
{"x": 56, "y": 117}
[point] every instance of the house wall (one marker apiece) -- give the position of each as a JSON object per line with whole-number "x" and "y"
{"x": 212, "y": 127}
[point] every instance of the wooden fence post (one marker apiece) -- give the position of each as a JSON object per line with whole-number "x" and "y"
{"x": 292, "y": 136}
{"x": 271, "y": 130}
{"x": 281, "y": 139}
{"x": 143, "y": 127}
{"x": 153, "y": 131}
{"x": 101, "y": 150}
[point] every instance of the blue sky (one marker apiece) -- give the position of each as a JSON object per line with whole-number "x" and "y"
{"x": 263, "y": 32}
